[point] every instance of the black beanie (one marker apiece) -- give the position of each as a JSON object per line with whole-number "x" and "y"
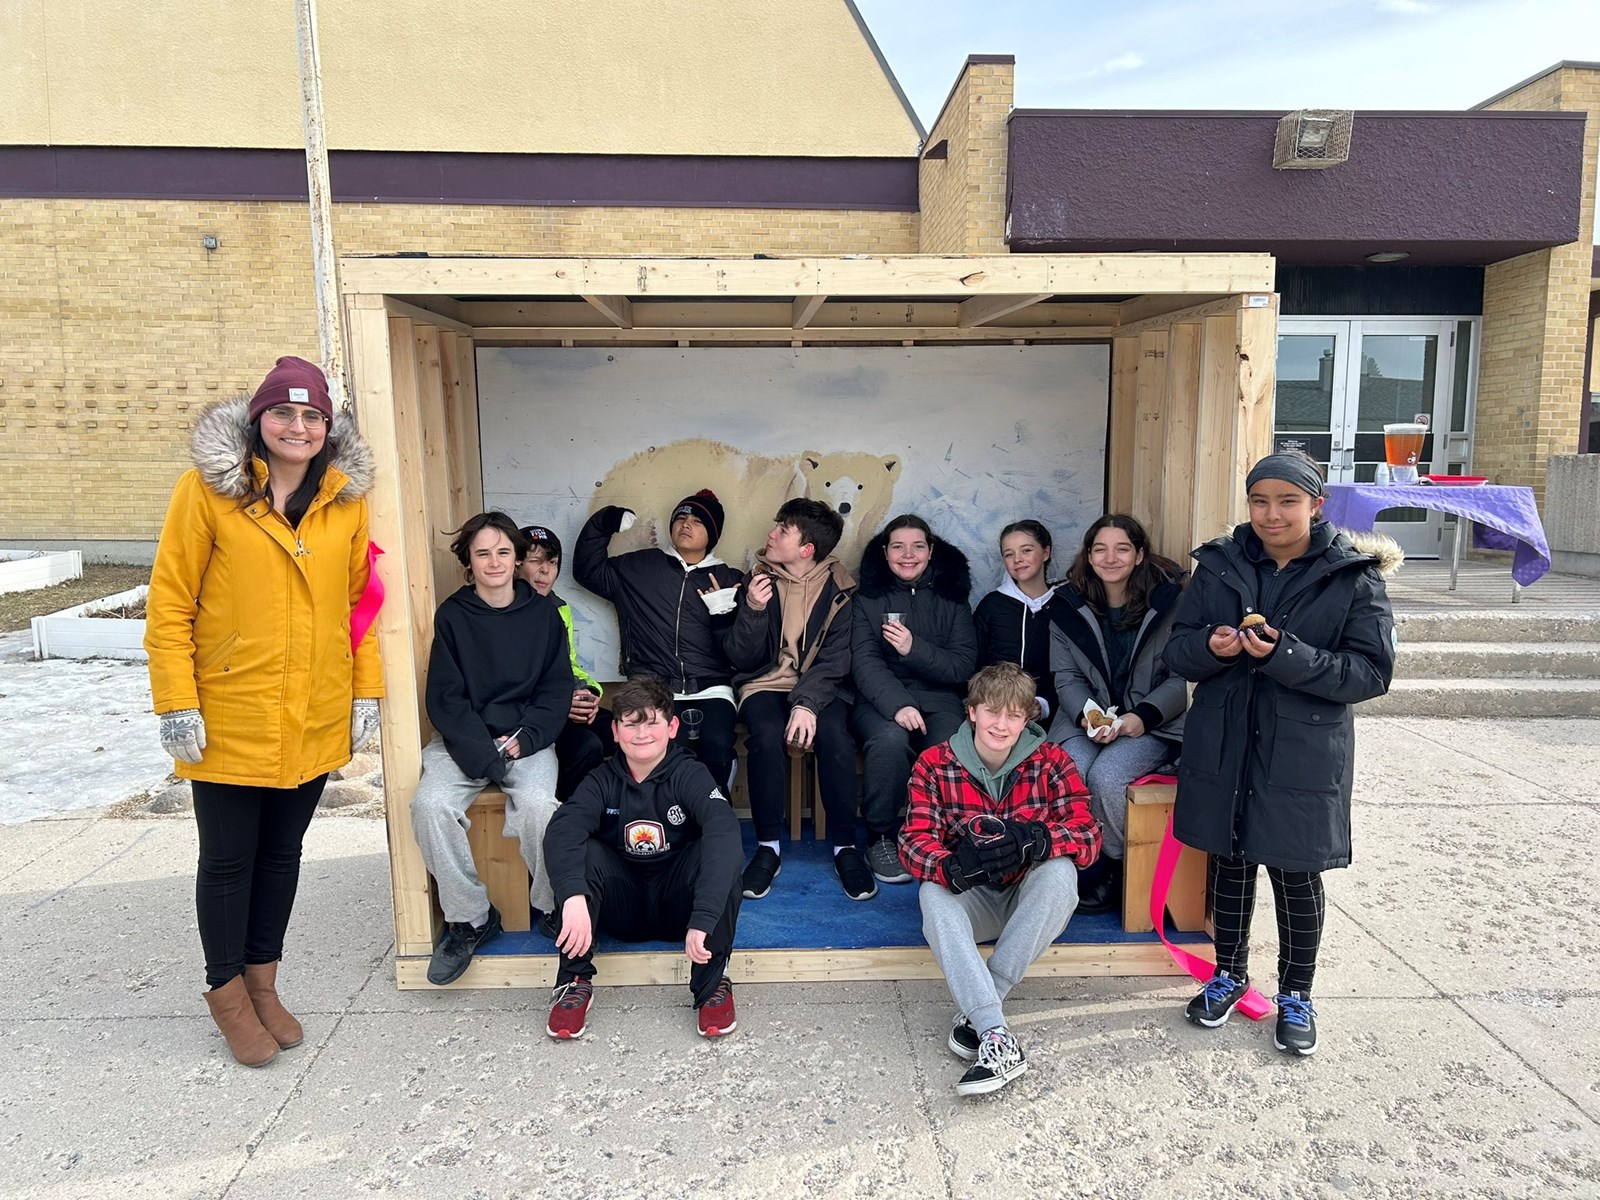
{"x": 705, "y": 508}
{"x": 541, "y": 538}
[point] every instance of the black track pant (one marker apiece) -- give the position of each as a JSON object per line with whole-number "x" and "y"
{"x": 1301, "y": 909}
{"x": 640, "y": 906}
{"x": 249, "y": 870}
{"x": 714, "y": 745}
{"x": 766, "y": 717}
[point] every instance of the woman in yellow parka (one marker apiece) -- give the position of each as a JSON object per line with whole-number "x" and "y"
{"x": 262, "y": 559}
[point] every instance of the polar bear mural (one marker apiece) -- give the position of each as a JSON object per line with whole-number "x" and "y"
{"x": 751, "y": 486}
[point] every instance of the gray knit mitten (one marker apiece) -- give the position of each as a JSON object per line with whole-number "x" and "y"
{"x": 363, "y": 723}
{"x": 183, "y": 734}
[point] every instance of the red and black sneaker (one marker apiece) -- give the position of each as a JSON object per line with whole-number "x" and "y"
{"x": 569, "y": 1009}
{"x": 717, "y": 1018}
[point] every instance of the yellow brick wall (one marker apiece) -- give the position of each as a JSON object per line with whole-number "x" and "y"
{"x": 963, "y": 196}
{"x": 1535, "y": 317}
{"x": 116, "y": 325}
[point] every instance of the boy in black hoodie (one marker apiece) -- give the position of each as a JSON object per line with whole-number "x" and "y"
{"x": 499, "y": 687}
{"x": 647, "y": 848}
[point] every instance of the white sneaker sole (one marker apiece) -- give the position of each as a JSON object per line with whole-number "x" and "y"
{"x": 1215, "y": 1022}
{"x": 716, "y": 1033}
{"x": 965, "y": 1054}
{"x": 983, "y": 1087}
{"x": 1295, "y": 1049}
{"x": 572, "y": 1037}
{"x": 749, "y": 895}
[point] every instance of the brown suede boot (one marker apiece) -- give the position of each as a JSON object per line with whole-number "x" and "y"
{"x": 261, "y": 982}
{"x": 230, "y": 1008}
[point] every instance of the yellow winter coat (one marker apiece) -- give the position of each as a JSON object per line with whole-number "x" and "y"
{"x": 248, "y": 619}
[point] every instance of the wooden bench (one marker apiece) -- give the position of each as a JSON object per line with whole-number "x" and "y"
{"x": 499, "y": 860}
{"x": 1149, "y": 807}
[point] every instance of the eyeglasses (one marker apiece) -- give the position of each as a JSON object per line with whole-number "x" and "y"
{"x": 282, "y": 414}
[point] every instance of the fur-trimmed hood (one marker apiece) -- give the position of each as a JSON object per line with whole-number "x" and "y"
{"x": 1383, "y": 551}
{"x": 220, "y": 450}
{"x": 1382, "y": 548}
{"x": 948, "y": 572}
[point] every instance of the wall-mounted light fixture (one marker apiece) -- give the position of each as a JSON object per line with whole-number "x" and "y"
{"x": 1312, "y": 138}
{"x": 209, "y": 241}
{"x": 1388, "y": 256}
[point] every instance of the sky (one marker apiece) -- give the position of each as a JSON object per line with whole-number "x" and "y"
{"x": 1249, "y": 54}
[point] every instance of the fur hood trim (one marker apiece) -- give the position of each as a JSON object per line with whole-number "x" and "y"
{"x": 1390, "y": 558}
{"x": 948, "y": 572}
{"x": 220, "y": 450}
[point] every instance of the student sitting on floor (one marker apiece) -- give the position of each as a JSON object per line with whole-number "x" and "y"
{"x": 499, "y": 684}
{"x": 997, "y": 826}
{"x": 647, "y": 848}
{"x": 585, "y": 740}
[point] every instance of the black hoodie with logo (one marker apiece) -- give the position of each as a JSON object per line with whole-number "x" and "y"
{"x": 495, "y": 671}
{"x": 649, "y": 822}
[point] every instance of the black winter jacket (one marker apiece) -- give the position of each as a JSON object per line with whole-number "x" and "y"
{"x": 944, "y": 642}
{"x": 494, "y": 671}
{"x": 1269, "y": 744}
{"x": 1079, "y": 659}
{"x": 753, "y": 643}
{"x": 649, "y": 822}
{"x": 665, "y": 626}
{"x": 1010, "y": 631}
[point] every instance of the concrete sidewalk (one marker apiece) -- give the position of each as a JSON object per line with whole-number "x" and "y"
{"x": 1459, "y": 1001}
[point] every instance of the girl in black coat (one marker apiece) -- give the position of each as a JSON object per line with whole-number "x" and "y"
{"x": 1013, "y": 621}
{"x": 1269, "y": 741}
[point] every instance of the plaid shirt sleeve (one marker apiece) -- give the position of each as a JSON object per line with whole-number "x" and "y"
{"x": 1074, "y": 833}
{"x": 927, "y": 826}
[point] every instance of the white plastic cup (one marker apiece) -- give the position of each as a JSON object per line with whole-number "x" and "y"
{"x": 690, "y": 719}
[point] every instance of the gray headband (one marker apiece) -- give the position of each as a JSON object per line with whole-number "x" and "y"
{"x": 1290, "y": 468}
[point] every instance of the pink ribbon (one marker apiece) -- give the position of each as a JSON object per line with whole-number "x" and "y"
{"x": 366, "y": 609}
{"x": 1254, "y": 1005}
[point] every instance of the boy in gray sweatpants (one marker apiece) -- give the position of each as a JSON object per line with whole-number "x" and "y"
{"x": 996, "y": 828}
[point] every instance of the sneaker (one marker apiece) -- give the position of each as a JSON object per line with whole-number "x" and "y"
{"x": 1217, "y": 1000}
{"x": 963, "y": 1039}
{"x": 569, "y": 1009}
{"x": 1297, "y": 1024}
{"x": 717, "y": 1018}
{"x": 883, "y": 856}
{"x": 853, "y": 874}
{"x": 547, "y": 926}
{"x": 1000, "y": 1060}
{"x": 763, "y": 869}
{"x": 453, "y": 954}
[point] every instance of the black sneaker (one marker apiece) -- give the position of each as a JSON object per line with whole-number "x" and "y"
{"x": 1217, "y": 1000}
{"x": 453, "y": 954}
{"x": 963, "y": 1039}
{"x": 853, "y": 874}
{"x": 1000, "y": 1060}
{"x": 883, "y": 856}
{"x": 763, "y": 869}
{"x": 1297, "y": 1024}
{"x": 547, "y": 926}
{"x": 1100, "y": 888}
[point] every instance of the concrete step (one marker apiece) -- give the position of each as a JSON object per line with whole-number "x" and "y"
{"x": 1498, "y": 660}
{"x": 1492, "y": 626}
{"x": 1510, "y": 698}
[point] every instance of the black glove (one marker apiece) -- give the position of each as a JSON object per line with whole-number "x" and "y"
{"x": 1022, "y": 842}
{"x": 963, "y": 869}
{"x": 611, "y": 517}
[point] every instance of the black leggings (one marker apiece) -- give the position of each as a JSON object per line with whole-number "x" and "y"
{"x": 249, "y": 870}
{"x": 1301, "y": 908}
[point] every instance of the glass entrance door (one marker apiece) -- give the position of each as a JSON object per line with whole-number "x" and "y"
{"x": 1341, "y": 381}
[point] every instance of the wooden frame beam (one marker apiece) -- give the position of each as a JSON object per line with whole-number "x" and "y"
{"x": 518, "y": 335}
{"x": 616, "y": 309}
{"x": 980, "y": 310}
{"x": 1191, "y": 313}
{"x": 804, "y": 308}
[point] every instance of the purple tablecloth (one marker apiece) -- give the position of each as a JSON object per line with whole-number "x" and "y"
{"x": 1503, "y": 518}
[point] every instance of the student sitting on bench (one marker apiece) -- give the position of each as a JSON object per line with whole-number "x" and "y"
{"x": 648, "y": 848}
{"x": 997, "y": 827}
{"x": 499, "y": 687}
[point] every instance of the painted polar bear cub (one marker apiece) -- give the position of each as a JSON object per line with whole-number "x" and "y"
{"x": 751, "y": 486}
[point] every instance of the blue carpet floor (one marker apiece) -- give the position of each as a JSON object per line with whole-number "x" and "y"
{"x": 808, "y": 910}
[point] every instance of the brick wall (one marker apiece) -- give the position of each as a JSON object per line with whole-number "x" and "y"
{"x": 963, "y": 196}
{"x": 116, "y": 325}
{"x": 1535, "y": 313}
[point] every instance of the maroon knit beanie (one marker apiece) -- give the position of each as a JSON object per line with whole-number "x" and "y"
{"x": 293, "y": 381}
{"x": 707, "y": 509}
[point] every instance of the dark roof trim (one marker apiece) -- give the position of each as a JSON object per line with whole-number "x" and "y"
{"x": 972, "y": 61}
{"x": 888, "y": 71}
{"x": 1234, "y": 113}
{"x": 403, "y": 177}
{"x": 1517, "y": 87}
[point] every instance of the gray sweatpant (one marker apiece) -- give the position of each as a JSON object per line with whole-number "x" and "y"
{"x": 1023, "y": 920}
{"x": 439, "y": 818}
{"x": 1107, "y": 771}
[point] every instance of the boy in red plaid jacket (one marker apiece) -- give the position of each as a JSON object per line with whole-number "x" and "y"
{"x": 997, "y": 826}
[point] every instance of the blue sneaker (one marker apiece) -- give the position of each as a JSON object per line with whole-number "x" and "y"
{"x": 1217, "y": 1000}
{"x": 1297, "y": 1024}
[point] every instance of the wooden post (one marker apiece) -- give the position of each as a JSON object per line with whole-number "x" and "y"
{"x": 461, "y": 426}
{"x": 1217, "y": 506}
{"x": 1148, "y": 441}
{"x": 401, "y": 713}
{"x": 1120, "y": 425}
{"x": 1258, "y": 359}
{"x": 324, "y": 263}
{"x": 435, "y": 459}
{"x": 1175, "y": 536}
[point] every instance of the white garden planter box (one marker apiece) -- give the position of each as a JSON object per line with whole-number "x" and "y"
{"x": 24, "y": 570}
{"x": 73, "y": 633}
